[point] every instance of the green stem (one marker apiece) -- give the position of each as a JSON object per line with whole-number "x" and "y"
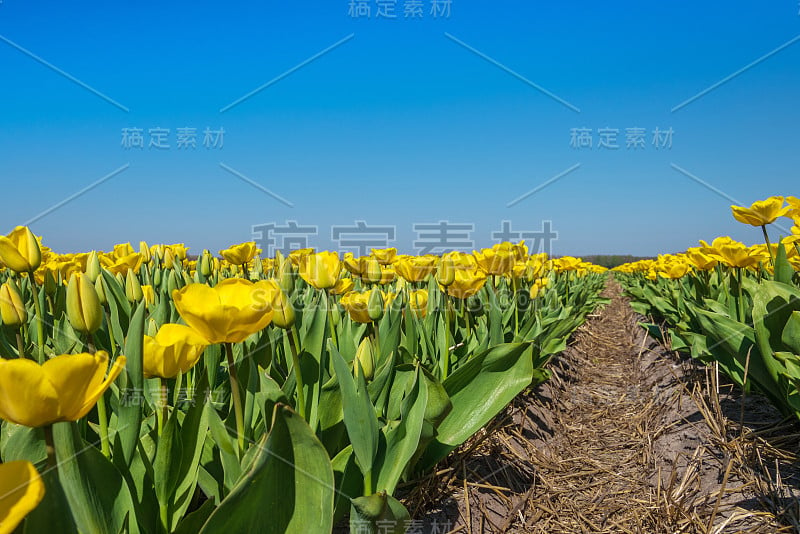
{"x": 110, "y": 333}
{"x": 332, "y": 327}
{"x": 368, "y": 483}
{"x": 20, "y": 344}
{"x": 516, "y": 306}
{"x": 102, "y": 413}
{"x": 163, "y": 406}
{"x": 446, "y": 358}
{"x": 50, "y": 447}
{"x": 301, "y": 398}
{"x": 769, "y": 245}
{"x": 39, "y": 319}
{"x": 237, "y": 399}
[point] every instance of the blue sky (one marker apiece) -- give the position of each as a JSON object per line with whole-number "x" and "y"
{"x": 405, "y": 121}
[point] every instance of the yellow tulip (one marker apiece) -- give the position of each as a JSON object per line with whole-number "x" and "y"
{"x": 732, "y": 253}
{"x": 20, "y": 250}
{"x": 240, "y": 254}
{"x": 415, "y": 268}
{"x": 343, "y": 285}
{"x": 353, "y": 264}
{"x": 701, "y": 259}
{"x": 466, "y": 283}
{"x": 122, "y": 264}
{"x": 496, "y": 261}
{"x": 387, "y": 275}
{"x": 538, "y": 286}
{"x": 384, "y": 255}
{"x": 12, "y": 310}
{"x": 83, "y": 304}
{"x": 228, "y": 312}
{"x": 64, "y": 388}
{"x": 21, "y": 491}
{"x": 675, "y": 270}
{"x": 761, "y": 212}
{"x": 296, "y": 256}
{"x": 372, "y": 271}
{"x": 174, "y": 349}
{"x": 418, "y": 302}
{"x": 320, "y": 270}
{"x": 357, "y": 305}
{"x": 149, "y": 295}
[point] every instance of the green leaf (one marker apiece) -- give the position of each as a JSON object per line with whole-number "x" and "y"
{"x": 97, "y": 493}
{"x": 129, "y": 413}
{"x": 289, "y": 488}
{"x": 359, "y": 413}
{"x": 479, "y": 390}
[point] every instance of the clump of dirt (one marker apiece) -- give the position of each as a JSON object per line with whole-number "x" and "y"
{"x": 626, "y": 437}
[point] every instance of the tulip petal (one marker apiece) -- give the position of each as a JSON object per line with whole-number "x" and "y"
{"x": 21, "y": 490}
{"x": 26, "y": 396}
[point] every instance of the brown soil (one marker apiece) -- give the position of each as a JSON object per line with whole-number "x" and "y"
{"x": 626, "y": 437}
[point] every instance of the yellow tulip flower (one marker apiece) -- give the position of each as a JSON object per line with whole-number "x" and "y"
{"x": 20, "y": 250}
{"x": 63, "y": 388}
{"x": 320, "y": 270}
{"x": 21, "y": 491}
{"x": 356, "y": 304}
{"x": 122, "y": 264}
{"x": 415, "y": 268}
{"x": 228, "y": 312}
{"x": 384, "y": 255}
{"x": 466, "y": 283}
{"x": 240, "y": 254}
{"x": 175, "y": 348}
{"x": 496, "y": 261}
{"x": 761, "y": 212}
{"x": 343, "y": 285}
{"x": 418, "y": 302}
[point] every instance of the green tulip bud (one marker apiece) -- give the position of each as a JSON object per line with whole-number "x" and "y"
{"x": 365, "y": 359}
{"x": 93, "y": 266}
{"x": 133, "y": 289}
{"x": 83, "y": 305}
{"x": 100, "y": 287}
{"x": 286, "y": 277}
{"x": 372, "y": 272}
{"x": 375, "y": 305}
{"x": 206, "y": 265}
{"x": 446, "y": 273}
{"x": 283, "y": 316}
{"x": 50, "y": 284}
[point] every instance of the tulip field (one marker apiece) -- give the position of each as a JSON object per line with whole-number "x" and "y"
{"x": 735, "y": 305}
{"x": 153, "y": 391}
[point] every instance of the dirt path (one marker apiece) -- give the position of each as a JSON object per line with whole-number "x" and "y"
{"x": 619, "y": 440}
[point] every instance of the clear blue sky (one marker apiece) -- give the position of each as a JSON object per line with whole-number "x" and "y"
{"x": 403, "y": 123}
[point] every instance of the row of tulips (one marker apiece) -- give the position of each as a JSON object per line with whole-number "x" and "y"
{"x": 151, "y": 391}
{"x": 733, "y": 305}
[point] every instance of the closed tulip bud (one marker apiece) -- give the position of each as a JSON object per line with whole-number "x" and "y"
{"x": 286, "y": 277}
{"x": 20, "y": 250}
{"x": 284, "y": 311}
{"x": 152, "y": 328}
{"x": 375, "y": 305}
{"x": 372, "y": 273}
{"x": 186, "y": 278}
{"x": 50, "y": 284}
{"x": 279, "y": 259}
{"x": 133, "y": 289}
{"x": 169, "y": 258}
{"x": 12, "y": 310}
{"x": 93, "y": 266}
{"x": 83, "y": 305}
{"x": 365, "y": 356}
{"x": 144, "y": 250}
{"x": 173, "y": 282}
{"x": 446, "y": 273}
{"x": 120, "y": 278}
{"x": 100, "y": 288}
{"x": 157, "y": 276}
{"x": 205, "y": 264}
